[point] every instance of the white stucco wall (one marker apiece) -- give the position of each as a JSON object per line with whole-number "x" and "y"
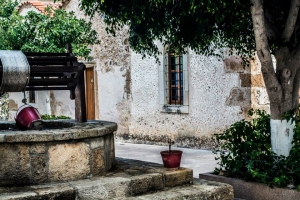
{"x": 42, "y": 102}
{"x": 61, "y": 104}
{"x": 209, "y": 86}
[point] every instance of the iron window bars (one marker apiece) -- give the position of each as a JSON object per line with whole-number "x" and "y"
{"x": 174, "y": 80}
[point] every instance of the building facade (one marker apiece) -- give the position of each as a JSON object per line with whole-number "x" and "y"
{"x": 183, "y": 97}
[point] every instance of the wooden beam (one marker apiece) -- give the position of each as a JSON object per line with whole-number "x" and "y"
{"x": 80, "y": 104}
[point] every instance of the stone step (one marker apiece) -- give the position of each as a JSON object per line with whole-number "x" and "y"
{"x": 129, "y": 177}
{"x": 200, "y": 190}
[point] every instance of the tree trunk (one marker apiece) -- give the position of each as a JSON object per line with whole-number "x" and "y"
{"x": 282, "y": 83}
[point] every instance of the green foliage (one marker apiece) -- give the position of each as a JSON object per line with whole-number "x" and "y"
{"x": 53, "y": 117}
{"x": 246, "y": 153}
{"x": 36, "y": 32}
{"x": 7, "y": 7}
{"x": 200, "y": 25}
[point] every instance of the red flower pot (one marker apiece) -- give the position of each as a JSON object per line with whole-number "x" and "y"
{"x": 28, "y": 118}
{"x": 171, "y": 159}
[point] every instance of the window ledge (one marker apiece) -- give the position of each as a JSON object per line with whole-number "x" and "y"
{"x": 179, "y": 109}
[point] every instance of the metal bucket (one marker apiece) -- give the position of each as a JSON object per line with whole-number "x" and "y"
{"x": 28, "y": 118}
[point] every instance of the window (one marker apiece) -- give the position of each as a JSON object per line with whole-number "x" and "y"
{"x": 173, "y": 83}
{"x": 175, "y": 79}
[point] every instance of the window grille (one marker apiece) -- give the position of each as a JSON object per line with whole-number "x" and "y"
{"x": 174, "y": 78}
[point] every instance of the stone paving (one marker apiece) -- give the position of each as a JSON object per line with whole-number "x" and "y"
{"x": 201, "y": 161}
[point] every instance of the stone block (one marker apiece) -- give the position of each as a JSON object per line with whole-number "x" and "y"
{"x": 145, "y": 183}
{"x": 113, "y": 158}
{"x": 86, "y": 133}
{"x": 68, "y": 161}
{"x": 108, "y": 143}
{"x": 37, "y": 148}
{"x": 56, "y": 192}
{"x": 20, "y": 196}
{"x": 102, "y": 131}
{"x": 178, "y": 177}
{"x": 39, "y": 168}
{"x": 245, "y": 80}
{"x": 63, "y": 135}
{"x": 14, "y": 164}
{"x": 11, "y": 137}
{"x": 257, "y": 80}
{"x": 107, "y": 188}
{"x": 34, "y": 136}
{"x": 239, "y": 97}
{"x": 98, "y": 162}
{"x": 234, "y": 64}
{"x": 260, "y": 96}
{"x": 108, "y": 161}
{"x": 97, "y": 142}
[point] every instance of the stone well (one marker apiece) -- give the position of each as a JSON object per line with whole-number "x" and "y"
{"x": 64, "y": 151}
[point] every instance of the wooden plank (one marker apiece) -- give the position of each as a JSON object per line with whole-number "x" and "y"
{"x": 51, "y": 58}
{"x": 47, "y": 63}
{"x": 46, "y": 54}
{"x": 57, "y": 81}
{"x": 90, "y": 93}
{"x": 80, "y": 104}
{"x": 48, "y": 88}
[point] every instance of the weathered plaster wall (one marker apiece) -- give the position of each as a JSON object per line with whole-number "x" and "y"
{"x": 212, "y": 105}
{"x": 112, "y": 70}
{"x": 61, "y": 104}
{"x": 15, "y": 101}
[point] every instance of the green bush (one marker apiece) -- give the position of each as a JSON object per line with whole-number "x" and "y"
{"x": 246, "y": 153}
{"x": 52, "y": 117}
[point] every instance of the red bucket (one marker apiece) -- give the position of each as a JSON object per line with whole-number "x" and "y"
{"x": 171, "y": 159}
{"x": 28, "y": 118}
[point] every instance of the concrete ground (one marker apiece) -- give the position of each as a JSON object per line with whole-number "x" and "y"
{"x": 201, "y": 161}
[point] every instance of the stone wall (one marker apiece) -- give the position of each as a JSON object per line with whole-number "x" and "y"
{"x": 57, "y": 154}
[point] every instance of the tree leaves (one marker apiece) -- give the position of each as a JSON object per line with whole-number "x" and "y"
{"x": 51, "y": 32}
{"x": 182, "y": 23}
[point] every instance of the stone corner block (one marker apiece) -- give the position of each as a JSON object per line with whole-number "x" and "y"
{"x": 178, "y": 177}
{"x": 245, "y": 80}
{"x": 239, "y": 97}
{"x": 145, "y": 183}
{"x": 234, "y": 64}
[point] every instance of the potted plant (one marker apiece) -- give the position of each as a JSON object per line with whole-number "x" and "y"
{"x": 171, "y": 158}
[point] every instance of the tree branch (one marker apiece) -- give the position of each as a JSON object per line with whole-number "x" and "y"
{"x": 291, "y": 20}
